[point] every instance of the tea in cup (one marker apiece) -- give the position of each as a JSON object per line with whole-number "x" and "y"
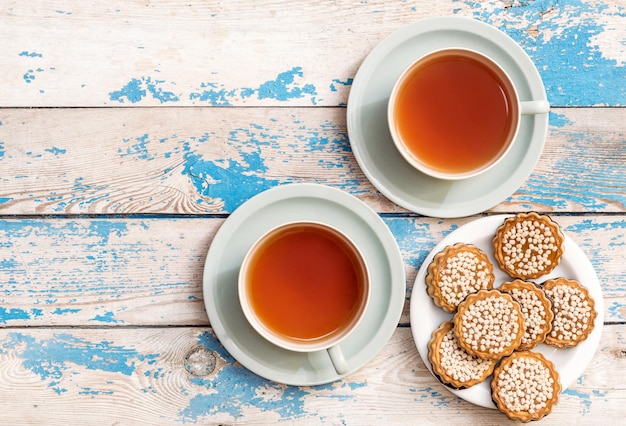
{"x": 304, "y": 286}
{"x": 455, "y": 113}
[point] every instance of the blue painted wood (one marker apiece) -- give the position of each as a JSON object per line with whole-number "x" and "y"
{"x": 562, "y": 39}
{"x": 580, "y": 39}
{"x": 101, "y": 367}
{"x": 210, "y": 161}
{"x": 148, "y": 271}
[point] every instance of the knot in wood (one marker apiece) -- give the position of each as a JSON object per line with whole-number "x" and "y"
{"x": 200, "y": 361}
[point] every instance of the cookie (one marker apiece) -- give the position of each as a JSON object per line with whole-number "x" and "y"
{"x": 536, "y": 309}
{"x": 451, "y": 364}
{"x": 489, "y": 324}
{"x": 574, "y": 312}
{"x": 525, "y": 386}
{"x": 528, "y": 245}
{"x": 456, "y": 272}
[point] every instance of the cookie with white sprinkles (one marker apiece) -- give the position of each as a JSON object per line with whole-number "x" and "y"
{"x": 536, "y": 308}
{"x": 574, "y": 312}
{"x": 489, "y": 324}
{"x": 528, "y": 245}
{"x": 455, "y": 272}
{"x": 525, "y": 386}
{"x": 451, "y": 364}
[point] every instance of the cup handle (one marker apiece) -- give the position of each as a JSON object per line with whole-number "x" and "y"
{"x": 534, "y": 107}
{"x": 339, "y": 361}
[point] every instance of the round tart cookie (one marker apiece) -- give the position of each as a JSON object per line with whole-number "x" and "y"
{"x": 489, "y": 324}
{"x": 451, "y": 364}
{"x": 574, "y": 312}
{"x": 457, "y": 271}
{"x": 525, "y": 386}
{"x": 528, "y": 245}
{"x": 536, "y": 309}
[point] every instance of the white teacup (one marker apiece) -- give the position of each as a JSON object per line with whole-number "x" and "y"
{"x": 455, "y": 113}
{"x": 304, "y": 286}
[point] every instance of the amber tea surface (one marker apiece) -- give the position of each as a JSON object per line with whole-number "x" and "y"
{"x": 305, "y": 283}
{"x": 454, "y": 113}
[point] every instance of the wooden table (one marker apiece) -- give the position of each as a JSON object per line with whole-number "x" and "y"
{"x": 130, "y": 131}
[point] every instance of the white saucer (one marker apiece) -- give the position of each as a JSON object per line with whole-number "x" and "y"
{"x": 372, "y": 144}
{"x": 426, "y": 316}
{"x": 302, "y": 202}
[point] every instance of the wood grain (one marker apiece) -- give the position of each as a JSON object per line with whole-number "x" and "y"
{"x": 146, "y": 272}
{"x": 210, "y": 160}
{"x": 139, "y": 376}
{"x": 127, "y": 53}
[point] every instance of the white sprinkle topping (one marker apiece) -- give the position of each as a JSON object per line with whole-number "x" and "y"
{"x": 525, "y": 385}
{"x": 528, "y": 247}
{"x": 573, "y": 313}
{"x": 534, "y": 314}
{"x": 463, "y": 274}
{"x": 490, "y": 325}
{"x": 457, "y": 363}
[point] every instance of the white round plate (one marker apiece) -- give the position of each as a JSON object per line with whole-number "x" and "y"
{"x": 371, "y": 141}
{"x": 288, "y": 203}
{"x": 426, "y": 316}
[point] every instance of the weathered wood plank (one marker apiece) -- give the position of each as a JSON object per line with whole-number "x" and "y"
{"x": 142, "y": 376}
{"x": 210, "y": 160}
{"x": 99, "y": 272}
{"x": 304, "y": 53}
{"x": 134, "y": 272}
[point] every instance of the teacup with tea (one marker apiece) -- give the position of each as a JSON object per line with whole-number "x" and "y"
{"x": 455, "y": 113}
{"x": 304, "y": 286}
